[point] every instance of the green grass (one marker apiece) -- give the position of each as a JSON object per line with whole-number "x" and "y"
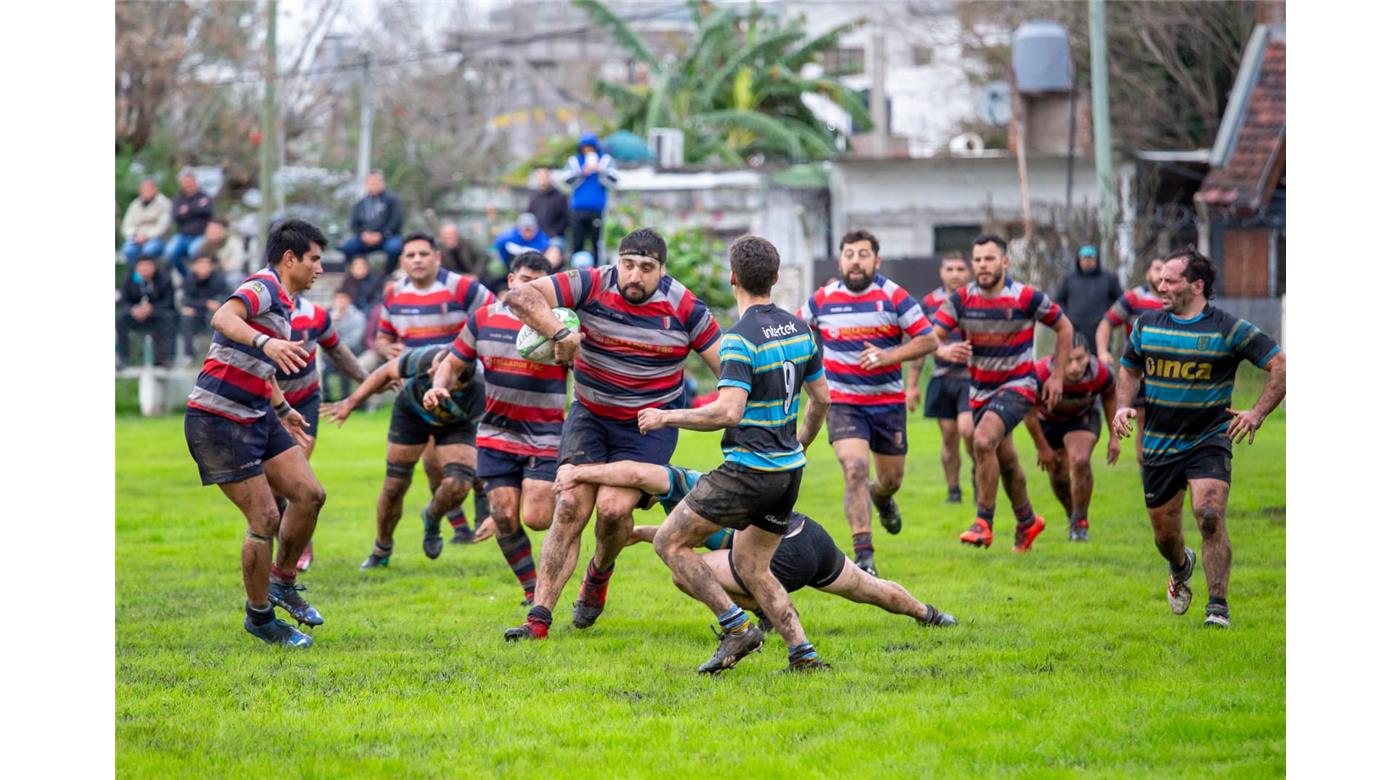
{"x": 1067, "y": 660}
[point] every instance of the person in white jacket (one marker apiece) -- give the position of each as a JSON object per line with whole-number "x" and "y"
{"x": 146, "y": 222}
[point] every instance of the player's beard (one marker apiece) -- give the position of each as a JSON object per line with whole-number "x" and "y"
{"x": 634, "y": 293}
{"x": 856, "y": 283}
{"x": 996, "y": 280}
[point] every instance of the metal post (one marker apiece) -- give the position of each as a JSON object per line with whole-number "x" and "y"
{"x": 878, "y": 115}
{"x": 1103, "y": 153}
{"x": 362, "y": 162}
{"x": 268, "y": 143}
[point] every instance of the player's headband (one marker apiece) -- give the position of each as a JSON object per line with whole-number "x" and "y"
{"x": 637, "y": 257}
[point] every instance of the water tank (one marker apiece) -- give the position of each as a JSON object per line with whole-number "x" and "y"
{"x": 1040, "y": 58}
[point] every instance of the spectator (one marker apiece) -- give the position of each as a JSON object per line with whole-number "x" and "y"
{"x": 549, "y": 205}
{"x": 460, "y": 254}
{"x": 349, "y": 324}
{"x": 591, "y": 174}
{"x": 524, "y": 237}
{"x": 363, "y": 284}
{"x": 146, "y": 221}
{"x": 227, "y": 251}
{"x": 192, "y": 211}
{"x": 376, "y": 222}
{"x": 555, "y": 254}
{"x": 204, "y": 292}
{"x": 1088, "y": 292}
{"x": 147, "y": 306}
{"x": 581, "y": 260}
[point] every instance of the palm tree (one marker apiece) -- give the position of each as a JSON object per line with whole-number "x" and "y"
{"x": 736, "y": 91}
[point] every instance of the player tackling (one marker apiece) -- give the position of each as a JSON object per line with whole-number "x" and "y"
{"x": 1186, "y": 356}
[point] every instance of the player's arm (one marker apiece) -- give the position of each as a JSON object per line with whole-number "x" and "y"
{"x": 1247, "y": 422}
{"x": 1129, "y": 379}
{"x": 448, "y": 368}
{"x": 1044, "y": 455}
{"x": 387, "y": 346}
{"x": 344, "y": 361}
{"x": 914, "y": 381}
{"x": 1110, "y": 411}
{"x": 290, "y": 418}
{"x": 379, "y": 379}
{"x": 1055, "y": 385}
{"x": 711, "y": 357}
{"x": 818, "y": 401}
{"x": 231, "y": 320}
{"x": 649, "y": 478}
{"x": 724, "y": 412}
{"x": 916, "y": 347}
{"x": 1102, "y": 334}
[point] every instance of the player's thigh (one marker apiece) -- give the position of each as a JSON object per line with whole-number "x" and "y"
{"x": 536, "y": 502}
{"x": 965, "y": 425}
{"x": 1079, "y": 445}
{"x": 683, "y": 528}
{"x": 753, "y": 550}
{"x": 851, "y": 581}
{"x": 717, "y": 561}
{"x": 289, "y": 475}
{"x": 253, "y": 497}
{"x": 404, "y": 453}
{"x": 1006, "y": 451}
{"x": 1166, "y": 517}
{"x": 616, "y": 503}
{"x": 1209, "y": 497}
{"x": 948, "y": 429}
{"x": 505, "y": 500}
{"x": 432, "y": 461}
{"x": 464, "y": 454}
{"x": 889, "y": 468}
{"x": 852, "y": 453}
{"x": 989, "y": 431}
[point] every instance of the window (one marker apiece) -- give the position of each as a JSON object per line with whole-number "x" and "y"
{"x": 949, "y": 237}
{"x": 844, "y": 61}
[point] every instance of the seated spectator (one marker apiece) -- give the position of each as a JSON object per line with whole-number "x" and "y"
{"x": 204, "y": 292}
{"x": 461, "y": 255}
{"x": 524, "y": 237}
{"x": 376, "y": 223}
{"x": 227, "y": 251}
{"x": 192, "y": 211}
{"x": 147, "y": 306}
{"x": 363, "y": 284}
{"x": 349, "y": 323}
{"x": 145, "y": 224}
{"x": 549, "y": 205}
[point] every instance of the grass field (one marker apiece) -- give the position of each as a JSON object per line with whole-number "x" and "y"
{"x": 1066, "y": 661}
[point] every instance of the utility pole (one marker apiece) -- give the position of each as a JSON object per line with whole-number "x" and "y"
{"x": 268, "y": 142}
{"x": 366, "y": 121}
{"x": 878, "y": 115}
{"x": 1103, "y": 162}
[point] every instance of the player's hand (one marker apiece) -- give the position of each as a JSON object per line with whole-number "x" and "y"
{"x": 486, "y": 531}
{"x": 872, "y": 357}
{"x": 1053, "y": 390}
{"x": 960, "y": 352}
{"x": 434, "y": 397}
{"x": 1244, "y": 424}
{"x": 565, "y": 351}
{"x": 188, "y": 311}
{"x": 1106, "y": 359}
{"x": 296, "y": 426}
{"x": 393, "y": 350}
{"x": 337, "y": 413}
{"x": 1045, "y": 458}
{"x": 1114, "y": 450}
{"x": 288, "y": 355}
{"x": 651, "y": 420}
{"x": 1123, "y": 422}
{"x": 565, "y": 477}
{"x": 913, "y": 399}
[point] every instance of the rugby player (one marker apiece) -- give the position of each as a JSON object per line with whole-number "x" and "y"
{"x": 766, "y": 359}
{"x": 806, "y": 556}
{"x": 997, "y": 317}
{"x": 425, "y": 308}
{"x": 1124, "y": 312}
{"x": 638, "y": 327}
{"x": 239, "y": 446}
{"x": 311, "y": 325}
{"x": 518, "y": 441}
{"x": 862, "y": 318}
{"x": 1186, "y": 356}
{"x": 450, "y": 424}
{"x": 948, "y": 384}
{"x": 1065, "y": 434}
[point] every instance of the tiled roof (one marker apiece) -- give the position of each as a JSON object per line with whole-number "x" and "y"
{"x": 1247, "y": 180}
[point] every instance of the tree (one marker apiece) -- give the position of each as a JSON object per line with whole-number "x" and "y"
{"x": 736, "y": 91}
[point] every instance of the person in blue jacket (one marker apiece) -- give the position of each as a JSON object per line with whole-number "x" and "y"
{"x": 526, "y": 236}
{"x": 591, "y": 174}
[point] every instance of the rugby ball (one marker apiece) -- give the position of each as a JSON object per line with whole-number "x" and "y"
{"x": 540, "y": 349}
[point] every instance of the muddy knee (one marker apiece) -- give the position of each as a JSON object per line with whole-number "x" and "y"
{"x": 1211, "y": 520}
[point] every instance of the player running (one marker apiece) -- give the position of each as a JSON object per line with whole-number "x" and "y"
{"x": 1125, "y": 312}
{"x": 862, "y": 318}
{"x": 805, "y": 557}
{"x": 997, "y": 317}
{"x": 425, "y": 308}
{"x": 639, "y": 325}
{"x": 765, "y": 360}
{"x": 1186, "y": 356}
{"x": 311, "y": 325}
{"x": 1065, "y": 434}
{"x": 518, "y": 441}
{"x": 450, "y": 424}
{"x": 239, "y": 446}
{"x": 949, "y": 383}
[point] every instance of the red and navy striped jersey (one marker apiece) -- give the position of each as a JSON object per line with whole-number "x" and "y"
{"x": 423, "y": 317}
{"x": 311, "y": 325}
{"x": 1079, "y": 393}
{"x": 882, "y": 314}
{"x": 236, "y": 380}
{"x": 1001, "y": 329}
{"x": 524, "y": 399}
{"x": 633, "y": 354}
{"x": 941, "y": 367}
{"x": 1126, "y": 310}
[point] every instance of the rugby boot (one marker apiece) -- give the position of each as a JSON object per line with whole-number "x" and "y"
{"x": 1079, "y": 530}
{"x": 288, "y": 597}
{"x": 276, "y": 632}
{"x": 732, "y": 647}
{"x": 813, "y": 664}
{"x": 954, "y": 495}
{"x": 1026, "y": 533}
{"x": 530, "y": 629}
{"x": 865, "y": 561}
{"x": 936, "y": 618}
{"x": 1217, "y": 616}
{"x": 1179, "y": 586}
{"x": 432, "y": 536}
{"x": 979, "y": 534}
{"x": 591, "y": 600}
{"x": 463, "y": 535}
{"x": 304, "y": 562}
{"x": 888, "y": 511}
{"x": 375, "y": 560}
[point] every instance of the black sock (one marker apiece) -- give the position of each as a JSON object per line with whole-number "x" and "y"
{"x": 1217, "y": 601}
{"x": 258, "y": 617}
{"x": 1024, "y": 514}
{"x": 861, "y": 543}
{"x": 541, "y": 614}
{"x": 985, "y": 513}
